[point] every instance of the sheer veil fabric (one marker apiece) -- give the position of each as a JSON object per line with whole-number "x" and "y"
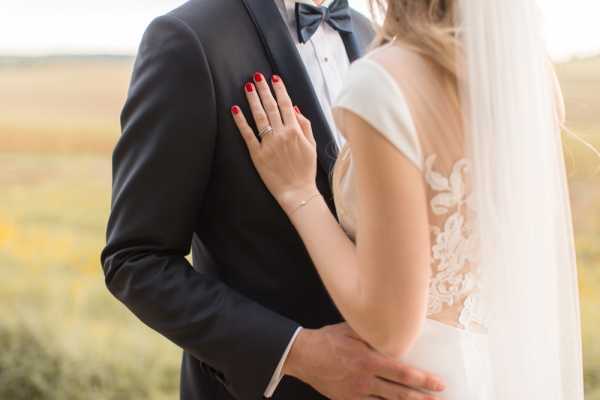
{"x": 519, "y": 189}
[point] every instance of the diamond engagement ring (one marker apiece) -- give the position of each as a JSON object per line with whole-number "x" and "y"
{"x": 265, "y": 132}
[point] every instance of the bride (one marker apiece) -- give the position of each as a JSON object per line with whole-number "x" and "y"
{"x": 453, "y": 250}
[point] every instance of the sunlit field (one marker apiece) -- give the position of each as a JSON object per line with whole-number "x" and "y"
{"x": 62, "y": 336}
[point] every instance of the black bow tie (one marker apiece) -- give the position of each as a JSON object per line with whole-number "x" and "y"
{"x": 309, "y": 18}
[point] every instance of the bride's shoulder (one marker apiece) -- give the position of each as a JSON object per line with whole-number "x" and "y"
{"x": 374, "y": 93}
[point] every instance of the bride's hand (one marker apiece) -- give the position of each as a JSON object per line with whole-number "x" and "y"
{"x": 285, "y": 156}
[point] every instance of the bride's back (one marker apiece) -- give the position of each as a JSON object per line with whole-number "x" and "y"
{"x": 432, "y": 97}
{"x": 433, "y": 102}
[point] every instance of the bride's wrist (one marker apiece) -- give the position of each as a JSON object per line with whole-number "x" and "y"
{"x": 292, "y": 200}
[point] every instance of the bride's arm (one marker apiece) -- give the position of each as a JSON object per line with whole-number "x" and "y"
{"x": 381, "y": 285}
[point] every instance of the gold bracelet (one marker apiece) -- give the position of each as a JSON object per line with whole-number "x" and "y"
{"x": 305, "y": 202}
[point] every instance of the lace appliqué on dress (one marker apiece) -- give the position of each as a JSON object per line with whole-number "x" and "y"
{"x": 454, "y": 250}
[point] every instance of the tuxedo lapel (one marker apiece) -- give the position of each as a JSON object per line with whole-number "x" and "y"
{"x": 286, "y": 62}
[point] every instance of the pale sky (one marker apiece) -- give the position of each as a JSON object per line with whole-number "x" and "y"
{"x": 40, "y": 27}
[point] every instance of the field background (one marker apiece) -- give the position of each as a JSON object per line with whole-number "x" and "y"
{"x": 62, "y": 336}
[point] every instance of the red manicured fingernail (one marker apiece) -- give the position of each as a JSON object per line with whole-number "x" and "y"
{"x": 276, "y": 78}
{"x": 297, "y": 109}
{"x": 249, "y": 87}
{"x": 235, "y": 110}
{"x": 258, "y": 77}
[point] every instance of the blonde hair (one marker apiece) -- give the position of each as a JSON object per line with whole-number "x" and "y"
{"x": 428, "y": 26}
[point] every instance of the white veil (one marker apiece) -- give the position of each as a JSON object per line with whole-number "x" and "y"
{"x": 521, "y": 197}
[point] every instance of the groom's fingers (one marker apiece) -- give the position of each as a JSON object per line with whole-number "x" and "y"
{"x": 384, "y": 390}
{"x": 396, "y": 372}
{"x": 387, "y": 390}
{"x": 405, "y": 375}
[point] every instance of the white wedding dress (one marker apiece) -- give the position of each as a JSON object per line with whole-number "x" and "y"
{"x": 453, "y": 343}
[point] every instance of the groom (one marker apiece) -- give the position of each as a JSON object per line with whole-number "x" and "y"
{"x": 251, "y": 309}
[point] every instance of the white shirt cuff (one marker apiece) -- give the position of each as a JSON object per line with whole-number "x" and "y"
{"x": 277, "y": 375}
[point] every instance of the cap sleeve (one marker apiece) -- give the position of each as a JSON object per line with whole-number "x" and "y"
{"x": 371, "y": 93}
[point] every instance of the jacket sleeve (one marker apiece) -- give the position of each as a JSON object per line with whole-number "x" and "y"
{"x": 161, "y": 167}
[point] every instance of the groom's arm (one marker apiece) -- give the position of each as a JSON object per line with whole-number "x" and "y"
{"x": 161, "y": 167}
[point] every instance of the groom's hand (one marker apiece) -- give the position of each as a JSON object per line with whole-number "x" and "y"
{"x": 339, "y": 365}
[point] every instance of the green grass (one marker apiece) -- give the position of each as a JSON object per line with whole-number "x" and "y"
{"x": 62, "y": 335}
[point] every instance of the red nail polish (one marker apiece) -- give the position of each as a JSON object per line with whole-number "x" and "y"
{"x": 258, "y": 77}
{"x": 249, "y": 87}
{"x": 235, "y": 110}
{"x": 276, "y": 79}
{"x": 297, "y": 109}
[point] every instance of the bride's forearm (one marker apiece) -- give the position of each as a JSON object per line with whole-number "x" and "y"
{"x": 367, "y": 300}
{"x": 330, "y": 249}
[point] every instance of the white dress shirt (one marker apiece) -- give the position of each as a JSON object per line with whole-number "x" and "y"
{"x": 326, "y": 62}
{"x": 324, "y": 57}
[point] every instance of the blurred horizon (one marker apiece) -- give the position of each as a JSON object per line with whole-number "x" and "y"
{"x": 114, "y": 27}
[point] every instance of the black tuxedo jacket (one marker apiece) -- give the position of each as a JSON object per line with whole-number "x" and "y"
{"x": 182, "y": 178}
